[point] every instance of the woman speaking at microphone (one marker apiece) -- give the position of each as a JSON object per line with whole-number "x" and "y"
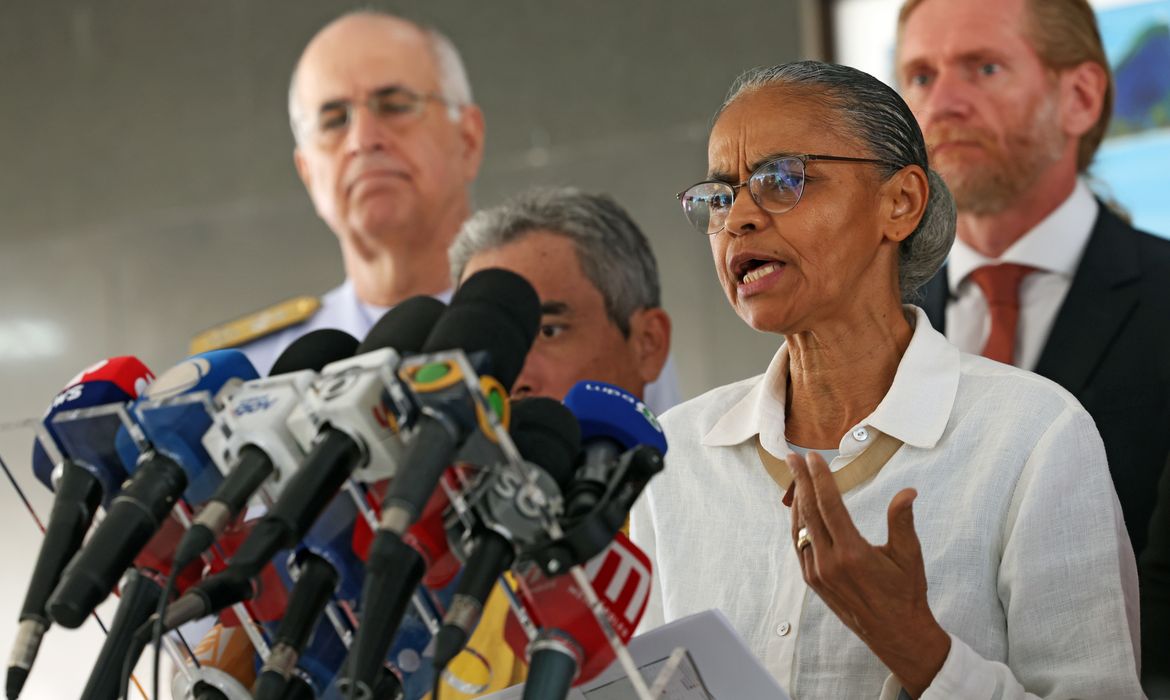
{"x": 878, "y": 514}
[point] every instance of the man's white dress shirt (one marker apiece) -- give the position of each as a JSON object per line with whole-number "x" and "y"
{"x": 341, "y": 309}
{"x": 1027, "y": 560}
{"x": 1054, "y": 247}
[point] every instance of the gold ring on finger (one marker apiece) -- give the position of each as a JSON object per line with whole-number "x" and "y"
{"x": 802, "y": 539}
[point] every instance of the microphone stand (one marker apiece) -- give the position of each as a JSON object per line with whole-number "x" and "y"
{"x": 584, "y": 540}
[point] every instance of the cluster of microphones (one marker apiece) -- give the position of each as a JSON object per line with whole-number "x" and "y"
{"x": 351, "y": 512}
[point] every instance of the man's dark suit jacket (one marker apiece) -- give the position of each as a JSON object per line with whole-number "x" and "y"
{"x": 1155, "y": 570}
{"x": 1110, "y": 347}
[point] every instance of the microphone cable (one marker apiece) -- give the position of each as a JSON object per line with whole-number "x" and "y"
{"x": 156, "y": 628}
{"x": 158, "y": 624}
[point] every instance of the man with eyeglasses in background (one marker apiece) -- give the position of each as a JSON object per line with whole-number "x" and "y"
{"x": 1014, "y": 97}
{"x": 388, "y": 144}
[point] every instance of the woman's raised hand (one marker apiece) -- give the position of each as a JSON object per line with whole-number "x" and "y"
{"x": 879, "y": 592}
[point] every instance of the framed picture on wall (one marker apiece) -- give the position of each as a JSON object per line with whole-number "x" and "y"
{"x": 1133, "y": 164}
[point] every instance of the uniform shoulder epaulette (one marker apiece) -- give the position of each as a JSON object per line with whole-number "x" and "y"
{"x": 256, "y": 325}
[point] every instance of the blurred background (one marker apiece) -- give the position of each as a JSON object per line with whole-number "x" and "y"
{"x": 147, "y": 189}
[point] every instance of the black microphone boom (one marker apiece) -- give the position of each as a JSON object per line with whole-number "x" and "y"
{"x": 330, "y": 461}
{"x": 252, "y": 469}
{"x": 79, "y": 493}
{"x": 547, "y": 436}
{"x": 318, "y": 579}
{"x": 387, "y": 555}
{"x": 312, "y": 351}
{"x": 140, "y": 596}
{"x": 326, "y": 468}
{"x": 133, "y": 518}
{"x": 552, "y": 668}
{"x": 496, "y": 313}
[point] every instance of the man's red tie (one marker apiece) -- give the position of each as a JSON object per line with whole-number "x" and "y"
{"x": 1001, "y": 286}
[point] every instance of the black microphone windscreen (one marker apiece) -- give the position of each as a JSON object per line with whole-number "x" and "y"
{"x": 547, "y": 434}
{"x": 405, "y": 327}
{"x": 314, "y": 350}
{"x": 496, "y": 311}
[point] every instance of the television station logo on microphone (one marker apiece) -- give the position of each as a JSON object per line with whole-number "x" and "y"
{"x": 529, "y": 499}
{"x": 73, "y": 393}
{"x": 385, "y": 417}
{"x": 615, "y": 392}
{"x": 621, "y": 576}
{"x": 126, "y": 373}
{"x": 649, "y": 416}
{"x": 255, "y": 404}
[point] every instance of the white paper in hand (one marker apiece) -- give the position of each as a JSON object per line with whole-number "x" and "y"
{"x": 684, "y": 682}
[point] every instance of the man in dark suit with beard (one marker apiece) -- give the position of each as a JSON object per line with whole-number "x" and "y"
{"x": 1014, "y": 97}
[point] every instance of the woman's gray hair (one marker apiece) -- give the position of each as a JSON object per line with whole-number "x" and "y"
{"x": 874, "y": 114}
{"x": 613, "y": 252}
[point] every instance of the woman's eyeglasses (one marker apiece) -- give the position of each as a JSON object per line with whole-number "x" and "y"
{"x": 775, "y": 186}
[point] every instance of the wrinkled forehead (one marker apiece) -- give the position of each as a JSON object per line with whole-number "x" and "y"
{"x": 355, "y": 59}
{"x": 958, "y": 30}
{"x": 774, "y": 121}
{"x": 549, "y": 259}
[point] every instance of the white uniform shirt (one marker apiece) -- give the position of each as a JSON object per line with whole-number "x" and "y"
{"x": 1027, "y": 560}
{"x": 1054, "y": 247}
{"x": 341, "y": 309}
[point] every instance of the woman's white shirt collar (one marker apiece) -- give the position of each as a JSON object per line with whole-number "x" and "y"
{"x": 915, "y": 409}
